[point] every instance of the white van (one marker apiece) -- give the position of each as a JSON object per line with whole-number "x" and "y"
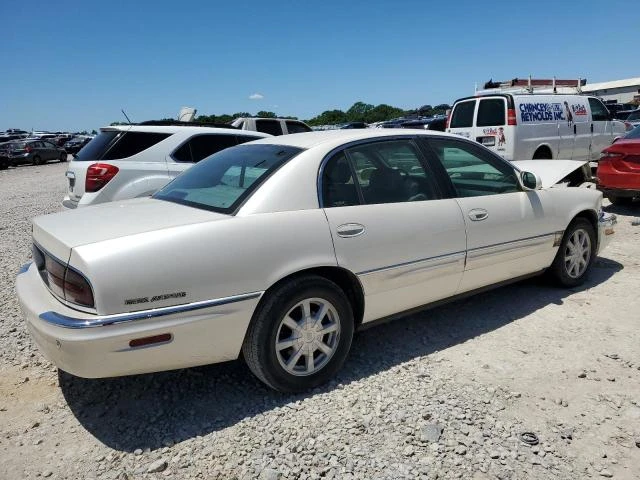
{"x": 535, "y": 126}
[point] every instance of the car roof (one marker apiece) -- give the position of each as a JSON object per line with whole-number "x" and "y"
{"x": 180, "y": 128}
{"x": 308, "y": 140}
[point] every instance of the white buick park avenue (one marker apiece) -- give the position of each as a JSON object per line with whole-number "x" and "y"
{"x": 277, "y": 250}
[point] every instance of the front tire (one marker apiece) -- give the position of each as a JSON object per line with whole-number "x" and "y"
{"x": 576, "y": 254}
{"x": 300, "y": 334}
{"x": 37, "y": 160}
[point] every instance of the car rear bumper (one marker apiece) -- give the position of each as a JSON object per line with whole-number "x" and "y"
{"x": 606, "y": 229}
{"x": 68, "y": 203}
{"x": 95, "y": 346}
{"x": 619, "y": 192}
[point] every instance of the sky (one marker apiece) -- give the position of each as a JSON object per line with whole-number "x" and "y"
{"x": 71, "y": 65}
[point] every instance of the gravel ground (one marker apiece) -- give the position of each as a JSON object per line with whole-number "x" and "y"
{"x": 445, "y": 393}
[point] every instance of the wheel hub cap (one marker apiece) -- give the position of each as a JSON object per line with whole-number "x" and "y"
{"x": 577, "y": 253}
{"x": 307, "y": 336}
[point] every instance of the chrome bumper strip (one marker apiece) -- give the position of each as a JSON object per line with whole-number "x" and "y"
{"x": 70, "y": 322}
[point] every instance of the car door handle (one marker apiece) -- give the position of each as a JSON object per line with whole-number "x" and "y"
{"x": 348, "y": 230}
{"x": 478, "y": 214}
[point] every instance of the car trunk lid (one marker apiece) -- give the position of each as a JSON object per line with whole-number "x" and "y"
{"x": 58, "y": 233}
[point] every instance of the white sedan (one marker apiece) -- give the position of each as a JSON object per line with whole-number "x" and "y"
{"x": 280, "y": 248}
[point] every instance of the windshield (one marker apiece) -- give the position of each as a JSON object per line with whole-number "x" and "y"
{"x": 222, "y": 181}
{"x": 635, "y": 133}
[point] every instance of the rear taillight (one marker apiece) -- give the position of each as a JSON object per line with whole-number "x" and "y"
{"x": 511, "y": 116}
{"x": 448, "y": 120}
{"x": 28, "y": 149}
{"x": 62, "y": 280}
{"x": 628, "y": 126}
{"x": 77, "y": 289}
{"x": 608, "y": 156}
{"x": 98, "y": 175}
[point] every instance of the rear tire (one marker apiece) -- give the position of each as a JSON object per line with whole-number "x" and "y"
{"x": 576, "y": 254}
{"x": 63, "y": 157}
{"x": 300, "y": 334}
{"x": 37, "y": 160}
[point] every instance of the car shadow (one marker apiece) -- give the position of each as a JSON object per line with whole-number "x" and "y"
{"x": 631, "y": 210}
{"x": 161, "y": 409}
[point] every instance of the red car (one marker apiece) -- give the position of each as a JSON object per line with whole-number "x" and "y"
{"x": 619, "y": 169}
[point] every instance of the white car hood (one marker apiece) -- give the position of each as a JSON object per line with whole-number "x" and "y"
{"x": 60, "y": 232}
{"x": 549, "y": 171}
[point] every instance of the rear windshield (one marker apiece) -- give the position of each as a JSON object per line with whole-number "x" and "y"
{"x": 635, "y": 133}
{"x": 462, "y": 116}
{"x": 221, "y": 182}
{"x": 115, "y": 144}
{"x": 491, "y": 112}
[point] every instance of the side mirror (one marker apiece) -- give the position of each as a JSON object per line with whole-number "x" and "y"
{"x": 530, "y": 181}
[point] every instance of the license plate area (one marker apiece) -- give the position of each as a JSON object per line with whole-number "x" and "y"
{"x": 489, "y": 141}
{"x": 72, "y": 180}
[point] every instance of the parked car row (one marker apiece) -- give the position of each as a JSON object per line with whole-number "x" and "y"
{"x": 35, "y": 152}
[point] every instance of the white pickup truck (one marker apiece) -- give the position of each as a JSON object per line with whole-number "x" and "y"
{"x": 272, "y": 126}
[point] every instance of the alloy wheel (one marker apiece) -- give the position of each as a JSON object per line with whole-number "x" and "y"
{"x": 307, "y": 336}
{"x": 577, "y": 253}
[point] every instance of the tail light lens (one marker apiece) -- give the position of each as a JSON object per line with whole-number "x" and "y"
{"x": 511, "y": 116}
{"x": 62, "y": 280}
{"x": 98, "y": 175}
{"x": 448, "y": 120}
{"x": 77, "y": 289}
{"x": 28, "y": 149}
{"x": 611, "y": 156}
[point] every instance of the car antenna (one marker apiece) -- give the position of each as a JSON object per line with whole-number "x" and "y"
{"x": 125, "y": 116}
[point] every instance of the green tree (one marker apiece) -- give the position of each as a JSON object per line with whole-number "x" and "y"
{"x": 264, "y": 114}
{"x": 329, "y": 117}
{"x": 358, "y": 112}
{"x": 383, "y": 112}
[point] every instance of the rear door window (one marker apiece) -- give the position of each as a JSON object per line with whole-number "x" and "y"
{"x": 462, "y": 115}
{"x": 202, "y": 146}
{"x": 491, "y": 112}
{"x": 269, "y": 126}
{"x": 391, "y": 172}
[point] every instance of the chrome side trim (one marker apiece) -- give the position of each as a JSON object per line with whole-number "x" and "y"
{"x": 511, "y": 245}
{"x": 412, "y": 262}
{"x": 70, "y": 322}
{"x": 24, "y": 268}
